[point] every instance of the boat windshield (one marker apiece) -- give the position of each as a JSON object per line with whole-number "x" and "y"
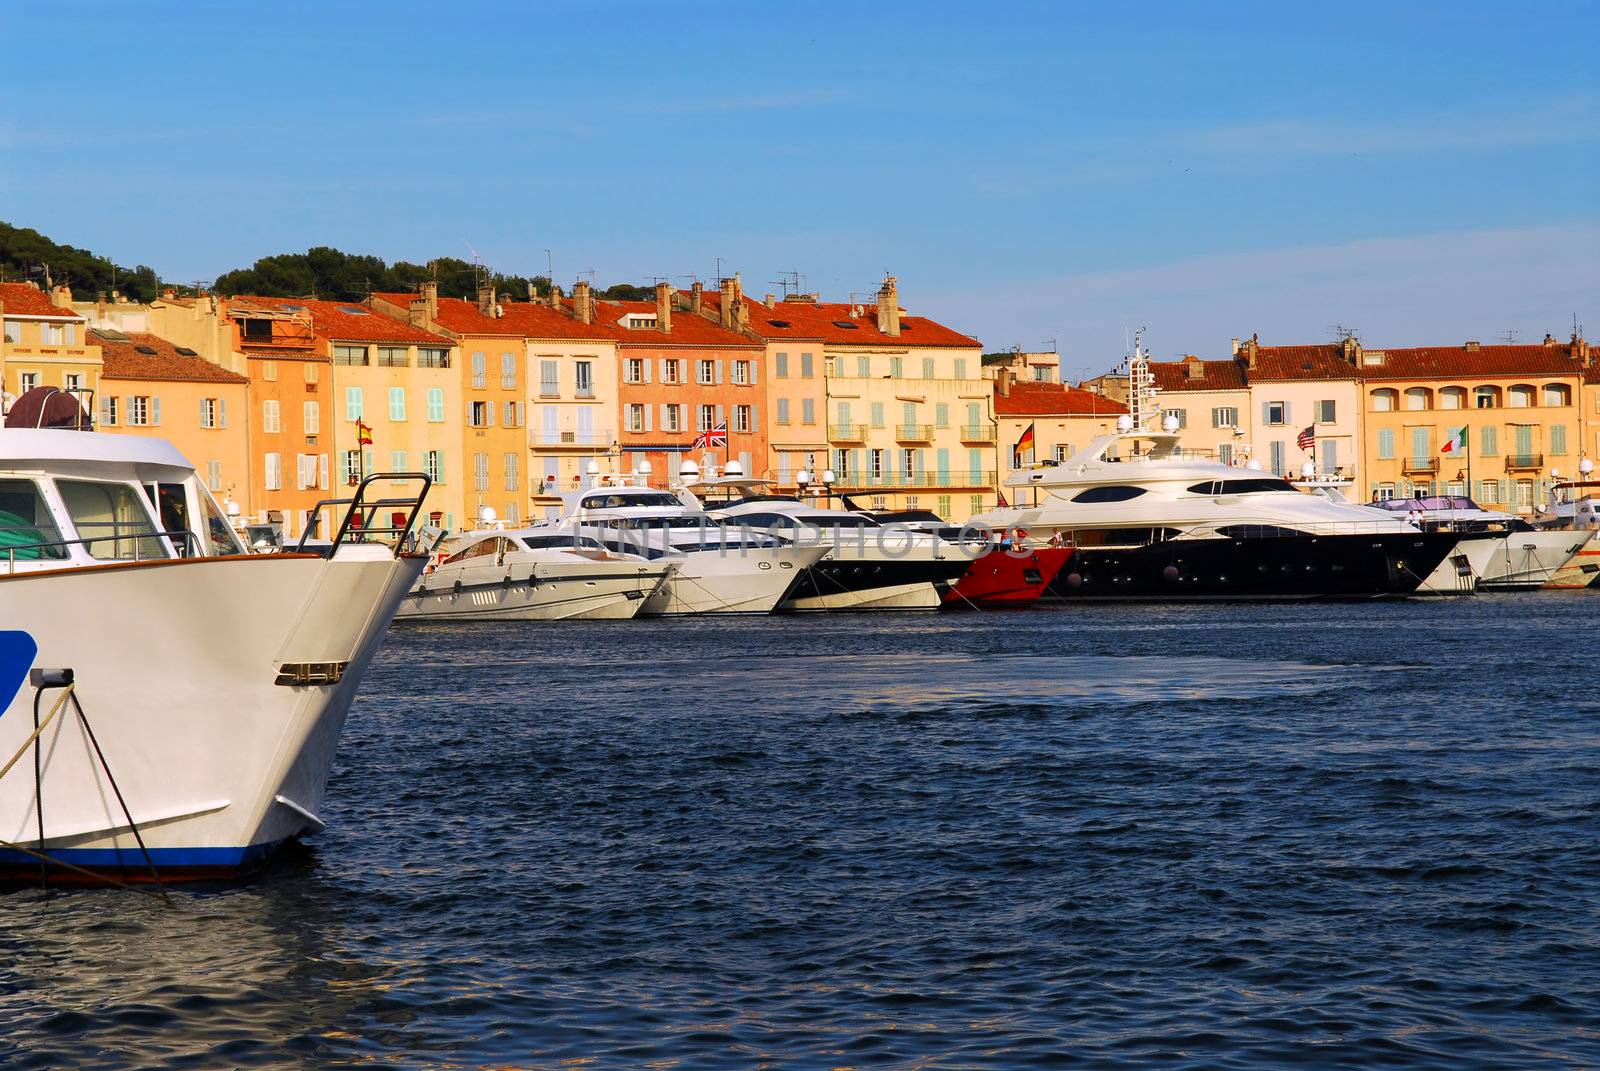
{"x": 1427, "y": 504}
{"x": 25, "y": 524}
{"x": 112, "y": 520}
{"x": 631, "y": 500}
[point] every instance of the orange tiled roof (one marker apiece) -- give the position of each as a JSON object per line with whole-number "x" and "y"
{"x": 1053, "y": 399}
{"x": 1214, "y": 375}
{"x": 341, "y": 321}
{"x": 1289, "y": 363}
{"x": 687, "y": 328}
{"x": 1485, "y": 362}
{"x": 25, "y": 299}
{"x": 834, "y": 322}
{"x": 121, "y": 352}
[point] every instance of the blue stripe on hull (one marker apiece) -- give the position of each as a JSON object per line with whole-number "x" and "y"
{"x": 132, "y": 859}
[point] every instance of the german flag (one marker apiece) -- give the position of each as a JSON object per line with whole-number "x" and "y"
{"x": 363, "y": 433}
{"x": 1022, "y": 453}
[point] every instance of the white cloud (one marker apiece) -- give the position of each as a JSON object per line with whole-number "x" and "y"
{"x": 1417, "y": 290}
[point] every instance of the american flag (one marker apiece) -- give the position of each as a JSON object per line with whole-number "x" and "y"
{"x": 712, "y": 437}
{"x": 1308, "y": 438}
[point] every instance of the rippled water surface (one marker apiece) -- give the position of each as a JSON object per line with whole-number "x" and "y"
{"x": 1346, "y": 835}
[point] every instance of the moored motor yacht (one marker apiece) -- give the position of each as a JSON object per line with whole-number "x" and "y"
{"x": 1573, "y": 507}
{"x": 208, "y": 685}
{"x": 1506, "y": 552}
{"x": 1146, "y": 522}
{"x": 529, "y": 575}
{"x": 718, "y": 571}
{"x": 867, "y": 564}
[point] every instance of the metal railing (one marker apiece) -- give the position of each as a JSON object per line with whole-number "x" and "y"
{"x": 185, "y": 538}
{"x": 357, "y": 526}
{"x": 913, "y": 433}
{"x": 1420, "y": 464}
{"x": 1524, "y": 461}
{"x": 847, "y": 433}
{"x": 539, "y": 437}
{"x": 984, "y": 478}
{"x": 977, "y": 433}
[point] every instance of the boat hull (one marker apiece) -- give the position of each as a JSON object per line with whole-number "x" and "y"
{"x": 217, "y": 690}
{"x": 850, "y": 580}
{"x": 1526, "y": 561}
{"x": 542, "y": 591}
{"x": 736, "y": 580}
{"x": 1464, "y": 567}
{"x": 1000, "y": 577}
{"x": 1287, "y": 567}
{"x": 1582, "y": 570}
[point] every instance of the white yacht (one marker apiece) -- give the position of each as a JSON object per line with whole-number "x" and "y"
{"x": 208, "y": 685}
{"x": 867, "y": 565}
{"x": 718, "y": 571}
{"x": 530, "y": 575}
{"x": 1147, "y": 522}
{"x": 1573, "y": 507}
{"x": 1506, "y": 552}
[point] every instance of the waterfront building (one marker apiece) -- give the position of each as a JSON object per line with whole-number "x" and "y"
{"x": 1300, "y": 389}
{"x": 195, "y": 322}
{"x": 1043, "y": 366}
{"x": 1062, "y": 420}
{"x": 1210, "y": 401}
{"x": 289, "y": 413}
{"x": 44, "y": 342}
{"x": 1521, "y": 406}
{"x": 151, "y": 387}
{"x": 401, "y": 382}
{"x": 680, "y": 377}
{"x": 909, "y": 414}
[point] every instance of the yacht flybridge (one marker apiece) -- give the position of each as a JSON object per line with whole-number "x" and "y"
{"x": 1146, "y": 522}
{"x": 188, "y": 695}
{"x": 866, "y": 565}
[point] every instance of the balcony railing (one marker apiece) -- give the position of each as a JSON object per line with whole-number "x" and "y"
{"x": 854, "y": 481}
{"x": 1420, "y": 465}
{"x": 977, "y": 433}
{"x": 539, "y": 437}
{"x": 913, "y": 433}
{"x": 1524, "y": 462}
{"x": 847, "y": 433}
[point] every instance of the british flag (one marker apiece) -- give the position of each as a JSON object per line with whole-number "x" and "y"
{"x": 712, "y": 437}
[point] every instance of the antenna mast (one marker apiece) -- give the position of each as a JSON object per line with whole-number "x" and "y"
{"x": 1141, "y": 383}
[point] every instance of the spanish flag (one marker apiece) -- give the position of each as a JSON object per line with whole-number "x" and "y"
{"x": 363, "y": 433}
{"x": 1022, "y": 453}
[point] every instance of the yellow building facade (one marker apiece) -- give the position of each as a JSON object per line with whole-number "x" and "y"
{"x": 44, "y": 343}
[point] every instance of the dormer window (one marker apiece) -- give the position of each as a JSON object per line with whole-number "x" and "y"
{"x": 640, "y": 319}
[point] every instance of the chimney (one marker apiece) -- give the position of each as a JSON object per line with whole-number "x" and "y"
{"x": 1580, "y": 349}
{"x": 582, "y": 302}
{"x": 697, "y": 297}
{"x": 1252, "y": 351}
{"x": 1194, "y": 367}
{"x": 1236, "y": 347}
{"x": 889, "y": 307}
{"x": 735, "y": 314}
{"x": 771, "y": 300}
{"x": 1350, "y": 350}
{"x": 429, "y": 292}
{"x": 1003, "y": 381}
{"x": 1549, "y": 340}
{"x": 556, "y": 295}
{"x": 1472, "y": 346}
{"x": 100, "y": 307}
{"x": 533, "y": 294}
{"x": 486, "y": 297}
{"x": 664, "y": 308}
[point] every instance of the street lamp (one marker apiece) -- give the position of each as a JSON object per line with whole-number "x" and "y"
{"x": 802, "y": 480}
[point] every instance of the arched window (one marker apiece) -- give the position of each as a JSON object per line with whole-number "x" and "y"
{"x": 1555, "y": 394}
{"x": 1520, "y": 396}
{"x": 1453, "y": 398}
{"x": 1384, "y": 400}
{"x": 1486, "y": 398}
{"x": 1419, "y": 398}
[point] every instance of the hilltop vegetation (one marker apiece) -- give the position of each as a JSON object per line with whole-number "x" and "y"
{"x": 28, "y": 256}
{"x": 322, "y": 271}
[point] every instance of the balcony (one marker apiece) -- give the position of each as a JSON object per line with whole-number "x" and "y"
{"x": 540, "y": 437}
{"x": 1524, "y": 462}
{"x": 977, "y": 433}
{"x": 859, "y": 481}
{"x": 1420, "y": 466}
{"x": 847, "y": 433}
{"x": 913, "y": 433}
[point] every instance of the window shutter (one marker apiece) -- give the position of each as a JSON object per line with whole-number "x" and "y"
{"x": 721, "y": 415}
{"x": 719, "y": 370}
{"x": 203, "y": 411}
{"x": 1266, "y": 412}
{"x": 755, "y": 372}
{"x": 644, "y": 363}
{"x": 155, "y": 410}
{"x": 222, "y": 412}
{"x": 1287, "y": 418}
{"x": 647, "y": 410}
{"x": 322, "y": 471}
{"x": 755, "y": 418}
{"x": 663, "y": 369}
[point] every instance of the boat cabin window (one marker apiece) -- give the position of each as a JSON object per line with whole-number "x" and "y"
{"x": 1256, "y": 531}
{"x": 112, "y": 520}
{"x": 172, "y": 505}
{"x": 1109, "y": 493}
{"x": 25, "y": 524}
{"x": 224, "y": 540}
{"x": 561, "y": 542}
{"x": 626, "y": 499}
{"x": 483, "y": 548}
{"x": 1240, "y": 487}
{"x": 1121, "y": 537}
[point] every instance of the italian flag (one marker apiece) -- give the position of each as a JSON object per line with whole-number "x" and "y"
{"x": 1456, "y": 443}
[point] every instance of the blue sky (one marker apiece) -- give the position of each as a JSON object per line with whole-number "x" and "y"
{"x": 1422, "y": 173}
